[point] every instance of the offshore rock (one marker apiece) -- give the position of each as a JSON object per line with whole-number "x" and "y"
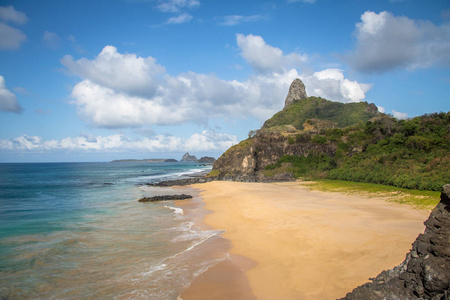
{"x": 296, "y": 92}
{"x": 165, "y": 198}
{"x": 187, "y": 157}
{"x": 425, "y": 273}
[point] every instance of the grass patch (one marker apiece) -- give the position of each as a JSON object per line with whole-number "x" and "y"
{"x": 426, "y": 200}
{"x": 213, "y": 173}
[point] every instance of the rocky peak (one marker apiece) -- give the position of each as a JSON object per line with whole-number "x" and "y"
{"x": 296, "y": 92}
{"x": 188, "y": 157}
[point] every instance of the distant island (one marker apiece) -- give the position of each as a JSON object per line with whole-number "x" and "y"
{"x": 186, "y": 158}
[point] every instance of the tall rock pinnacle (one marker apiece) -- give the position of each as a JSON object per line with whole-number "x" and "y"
{"x": 296, "y": 92}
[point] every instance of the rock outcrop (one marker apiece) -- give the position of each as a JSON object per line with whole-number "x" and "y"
{"x": 296, "y": 92}
{"x": 247, "y": 160}
{"x": 165, "y": 198}
{"x": 187, "y": 157}
{"x": 425, "y": 273}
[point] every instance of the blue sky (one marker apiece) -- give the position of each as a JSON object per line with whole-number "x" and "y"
{"x": 109, "y": 79}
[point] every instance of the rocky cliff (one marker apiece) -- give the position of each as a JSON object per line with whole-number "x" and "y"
{"x": 297, "y": 91}
{"x": 248, "y": 160}
{"x": 425, "y": 273}
{"x": 289, "y": 132}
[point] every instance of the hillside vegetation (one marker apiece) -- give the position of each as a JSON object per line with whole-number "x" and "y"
{"x": 338, "y": 114}
{"x": 413, "y": 154}
{"x": 315, "y": 138}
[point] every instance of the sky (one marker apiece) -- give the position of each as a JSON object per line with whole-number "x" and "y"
{"x": 115, "y": 79}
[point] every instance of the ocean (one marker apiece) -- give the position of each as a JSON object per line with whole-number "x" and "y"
{"x": 77, "y": 231}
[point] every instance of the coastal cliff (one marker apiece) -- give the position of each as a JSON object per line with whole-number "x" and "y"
{"x": 316, "y": 138}
{"x": 425, "y": 273}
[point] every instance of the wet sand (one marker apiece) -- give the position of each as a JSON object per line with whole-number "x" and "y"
{"x": 292, "y": 243}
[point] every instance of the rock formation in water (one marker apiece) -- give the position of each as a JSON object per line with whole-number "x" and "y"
{"x": 425, "y": 273}
{"x": 165, "y": 198}
{"x": 296, "y": 92}
{"x": 187, "y": 157}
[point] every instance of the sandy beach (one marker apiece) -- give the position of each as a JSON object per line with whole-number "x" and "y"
{"x": 288, "y": 242}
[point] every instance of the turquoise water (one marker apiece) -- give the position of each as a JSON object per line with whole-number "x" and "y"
{"x": 76, "y": 231}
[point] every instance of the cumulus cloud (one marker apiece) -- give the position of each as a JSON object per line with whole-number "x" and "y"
{"x": 124, "y": 90}
{"x": 51, "y": 39}
{"x": 233, "y": 20}
{"x": 9, "y": 15}
{"x": 204, "y": 141}
{"x": 8, "y": 101}
{"x": 265, "y": 58}
{"x": 385, "y": 42}
{"x": 126, "y": 73}
{"x": 176, "y": 5}
{"x": 399, "y": 115}
{"x": 331, "y": 84}
{"x": 183, "y": 18}
{"x": 381, "y": 109}
{"x": 10, "y": 37}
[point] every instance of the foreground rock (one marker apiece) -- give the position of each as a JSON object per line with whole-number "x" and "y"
{"x": 425, "y": 273}
{"x": 165, "y": 198}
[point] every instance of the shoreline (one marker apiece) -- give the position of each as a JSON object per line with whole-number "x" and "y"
{"x": 225, "y": 280}
{"x": 293, "y": 243}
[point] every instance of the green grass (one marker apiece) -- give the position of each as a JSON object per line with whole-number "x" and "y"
{"x": 213, "y": 173}
{"x": 426, "y": 200}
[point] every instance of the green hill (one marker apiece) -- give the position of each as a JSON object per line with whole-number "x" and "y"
{"x": 340, "y": 114}
{"x": 316, "y": 138}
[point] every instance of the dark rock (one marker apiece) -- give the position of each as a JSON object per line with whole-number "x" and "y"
{"x": 171, "y": 160}
{"x": 165, "y": 198}
{"x": 425, "y": 273}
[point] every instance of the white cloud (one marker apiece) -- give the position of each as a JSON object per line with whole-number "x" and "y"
{"x": 381, "y": 109}
{"x": 183, "y": 18}
{"x": 10, "y": 38}
{"x": 331, "y": 84}
{"x": 51, "y": 39}
{"x": 124, "y": 90}
{"x": 10, "y": 15}
{"x": 126, "y": 73}
{"x": 204, "y": 141}
{"x": 399, "y": 115}
{"x": 176, "y": 5}
{"x": 265, "y": 58}
{"x": 233, "y": 20}
{"x": 386, "y": 42}
{"x": 8, "y": 101}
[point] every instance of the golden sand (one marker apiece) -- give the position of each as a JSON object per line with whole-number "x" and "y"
{"x": 305, "y": 244}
